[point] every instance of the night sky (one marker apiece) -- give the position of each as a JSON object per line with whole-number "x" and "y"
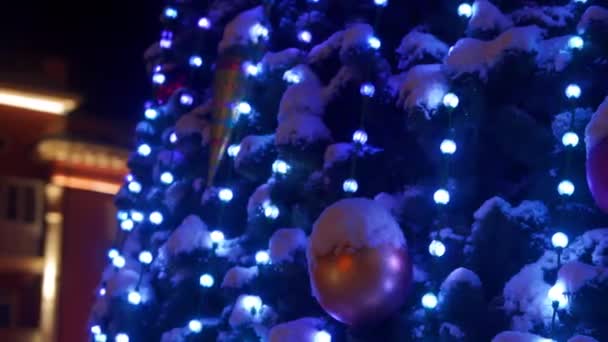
{"x": 103, "y": 41}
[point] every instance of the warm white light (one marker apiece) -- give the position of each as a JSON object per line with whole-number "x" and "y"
{"x": 145, "y": 257}
{"x": 262, "y": 257}
{"x": 127, "y": 225}
{"x": 166, "y": 177}
{"x": 450, "y": 100}
{"x": 251, "y": 303}
{"x": 570, "y": 139}
{"x": 206, "y": 280}
{"x": 195, "y": 326}
{"x": 322, "y": 336}
{"x": 225, "y": 195}
{"x": 437, "y": 248}
{"x": 448, "y": 146}
{"x": 374, "y": 42}
{"x": 134, "y": 298}
{"x": 122, "y": 337}
{"x": 233, "y": 150}
{"x": 429, "y": 301}
{"x": 37, "y": 102}
{"x": 216, "y": 236}
{"x": 156, "y": 218}
{"x": 360, "y": 137}
{"x": 576, "y": 42}
{"x": 280, "y": 166}
{"x": 465, "y": 10}
{"x": 441, "y": 196}
{"x": 573, "y": 91}
{"x": 350, "y": 185}
{"x": 559, "y": 240}
{"x": 558, "y": 294}
{"x": 565, "y": 188}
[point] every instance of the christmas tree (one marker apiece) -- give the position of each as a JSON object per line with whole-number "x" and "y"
{"x": 367, "y": 170}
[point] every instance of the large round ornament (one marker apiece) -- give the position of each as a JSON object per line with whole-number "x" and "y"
{"x": 597, "y": 156}
{"x": 359, "y": 266}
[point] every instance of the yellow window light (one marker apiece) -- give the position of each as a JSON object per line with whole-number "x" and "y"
{"x": 37, "y": 102}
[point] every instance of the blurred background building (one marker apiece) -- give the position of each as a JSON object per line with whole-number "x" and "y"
{"x": 59, "y": 169}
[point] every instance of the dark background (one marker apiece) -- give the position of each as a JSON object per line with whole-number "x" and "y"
{"x": 103, "y": 42}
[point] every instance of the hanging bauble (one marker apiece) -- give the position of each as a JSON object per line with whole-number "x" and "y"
{"x": 359, "y": 266}
{"x": 597, "y": 156}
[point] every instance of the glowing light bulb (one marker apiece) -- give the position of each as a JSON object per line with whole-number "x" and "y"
{"x": 251, "y": 303}
{"x": 173, "y": 138}
{"x": 225, "y": 195}
{"x": 252, "y": 69}
{"x": 166, "y": 177}
{"x": 186, "y": 99}
{"x": 216, "y": 236}
{"x": 429, "y": 301}
{"x": 570, "y": 139}
{"x": 156, "y": 218}
{"x": 374, "y": 42}
{"x": 204, "y": 23}
{"x": 465, "y": 10}
{"x": 102, "y": 291}
{"x": 450, "y": 100}
{"x": 559, "y": 240}
{"x": 96, "y": 330}
{"x": 262, "y": 257}
{"x": 119, "y": 261}
{"x": 322, "y": 336}
{"x": 292, "y": 76}
{"x": 151, "y": 113}
{"x": 159, "y": 78}
{"x": 565, "y": 188}
{"x": 558, "y": 294}
{"x": 206, "y": 280}
{"x": 145, "y": 257}
{"x": 137, "y": 216}
{"x": 448, "y": 146}
{"x": 305, "y": 36}
{"x": 134, "y": 187}
{"x": 350, "y": 185}
{"x": 243, "y": 108}
{"x": 171, "y": 12}
{"x": 233, "y": 150}
{"x": 101, "y": 338}
{"x": 122, "y": 215}
{"x": 134, "y": 297}
{"x": 360, "y": 137}
{"x": 121, "y": 337}
{"x": 381, "y": 3}
{"x": 196, "y": 61}
{"x": 573, "y": 91}
{"x": 195, "y": 326}
{"x": 127, "y": 225}
{"x": 271, "y": 211}
{"x": 113, "y": 253}
{"x": 437, "y": 248}
{"x": 576, "y": 42}
{"x": 144, "y": 150}
{"x": 367, "y": 89}
{"x": 257, "y": 32}
{"x": 281, "y": 167}
{"x": 441, "y": 196}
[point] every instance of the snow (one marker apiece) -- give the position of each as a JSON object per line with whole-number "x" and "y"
{"x": 238, "y": 276}
{"x": 581, "y": 338}
{"x": 337, "y": 153}
{"x": 532, "y": 212}
{"x": 422, "y": 86}
{"x": 192, "y": 234}
{"x": 475, "y": 56}
{"x": 553, "y": 54}
{"x": 303, "y": 329}
{"x": 592, "y": 15}
{"x": 230, "y": 249}
{"x": 576, "y": 274}
{"x": 258, "y": 198}
{"x": 175, "y": 193}
{"x": 325, "y": 48}
{"x": 237, "y": 31}
{"x": 251, "y": 145}
{"x": 416, "y": 44}
{"x": 448, "y": 234}
{"x": 459, "y": 277}
{"x": 516, "y": 336}
{"x": 597, "y": 129}
{"x": 354, "y": 37}
{"x": 282, "y": 59}
{"x": 353, "y": 223}
{"x": 487, "y": 17}
{"x": 303, "y": 98}
{"x": 345, "y": 75}
{"x": 298, "y": 129}
{"x": 562, "y": 121}
{"x": 390, "y": 202}
{"x": 452, "y": 329}
{"x": 194, "y": 123}
{"x": 285, "y": 242}
{"x": 547, "y": 16}
{"x": 174, "y": 335}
